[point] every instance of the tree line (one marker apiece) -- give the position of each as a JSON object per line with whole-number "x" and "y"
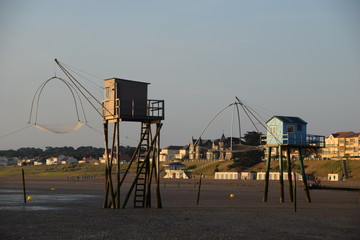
{"x": 78, "y": 153}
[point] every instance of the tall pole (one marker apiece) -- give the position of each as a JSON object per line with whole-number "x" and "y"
{"x": 306, "y": 189}
{"x": 266, "y": 187}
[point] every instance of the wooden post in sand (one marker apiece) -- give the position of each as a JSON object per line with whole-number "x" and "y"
{"x": 198, "y": 195}
{"x": 23, "y": 181}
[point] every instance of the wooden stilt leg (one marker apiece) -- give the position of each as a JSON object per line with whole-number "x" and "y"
{"x": 106, "y": 191}
{"x": 281, "y": 176}
{"x": 118, "y": 165}
{"x": 266, "y": 186}
{"x": 157, "y": 174}
{"x": 289, "y": 174}
{"x": 306, "y": 189}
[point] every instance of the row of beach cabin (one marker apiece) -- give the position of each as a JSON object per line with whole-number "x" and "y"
{"x": 176, "y": 170}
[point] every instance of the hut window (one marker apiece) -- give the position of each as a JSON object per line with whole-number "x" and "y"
{"x": 299, "y": 127}
{"x": 273, "y": 129}
{"x": 290, "y": 129}
{"x": 107, "y": 93}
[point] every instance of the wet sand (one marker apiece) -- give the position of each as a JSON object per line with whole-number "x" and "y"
{"x": 74, "y": 211}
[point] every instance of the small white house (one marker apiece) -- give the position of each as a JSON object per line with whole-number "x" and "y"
{"x": 36, "y": 163}
{"x": 175, "y": 170}
{"x": 334, "y": 177}
{"x": 60, "y": 160}
{"x": 227, "y": 175}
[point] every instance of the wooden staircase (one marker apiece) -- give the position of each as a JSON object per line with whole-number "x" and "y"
{"x": 142, "y": 167}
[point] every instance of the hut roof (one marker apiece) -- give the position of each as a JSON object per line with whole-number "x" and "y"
{"x": 289, "y": 119}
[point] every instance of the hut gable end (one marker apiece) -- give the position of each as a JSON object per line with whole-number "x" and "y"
{"x": 286, "y": 130}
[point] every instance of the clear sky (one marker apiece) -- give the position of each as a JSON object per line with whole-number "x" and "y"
{"x": 295, "y": 58}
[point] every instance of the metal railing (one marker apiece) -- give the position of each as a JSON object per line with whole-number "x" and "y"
{"x": 156, "y": 108}
{"x": 131, "y": 110}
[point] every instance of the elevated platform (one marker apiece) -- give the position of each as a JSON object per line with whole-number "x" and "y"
{"x": 154, "y": 112}
{"x": 291, "y": 141}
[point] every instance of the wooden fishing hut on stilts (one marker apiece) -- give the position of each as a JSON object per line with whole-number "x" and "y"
{"x": 126, "y": 100}
{"x": 286, "y": 134}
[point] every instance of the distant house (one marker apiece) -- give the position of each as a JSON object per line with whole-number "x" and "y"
{"x": 124, "y": 158}
{"x": 198, "y": 149}
{"x": 212, "y": 149}
{"x": 168, "y": 154}
{"x": 89, "y": 160}
{"x": 38, "y": 162}
{"x": 176, "y": 170}
{"x": 183, "y": 153}
{"x": 69, "y": 160}
{"x": 60, "y": 160}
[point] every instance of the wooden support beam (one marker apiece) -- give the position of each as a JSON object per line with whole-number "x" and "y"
{"x": 302, "y": 168}
{"x": 117, "y": 193}
{"x": 281, "y": 175}
{"x": 157, "y": 172}
{"x": 106, "y": 192}
{"x": 266, "y": 186}
{"x": 289, "y": 174}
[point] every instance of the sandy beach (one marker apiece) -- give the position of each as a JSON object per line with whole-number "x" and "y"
{"x": 72, "y": 209}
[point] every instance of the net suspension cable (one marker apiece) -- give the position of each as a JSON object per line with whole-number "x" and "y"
{"x": 59, "y": 127}
{"x": 82, "y": 89}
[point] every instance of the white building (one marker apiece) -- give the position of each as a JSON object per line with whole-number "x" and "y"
{"x": 175, "y": 170}
{"x": 60, "y": 160}
{"x": 334, "y": 177}
{"x": 183, "y": 153}
{"x": 168, "y": 154}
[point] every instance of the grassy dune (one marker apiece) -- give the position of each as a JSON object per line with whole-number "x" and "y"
{"x": 318, "y": 168}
